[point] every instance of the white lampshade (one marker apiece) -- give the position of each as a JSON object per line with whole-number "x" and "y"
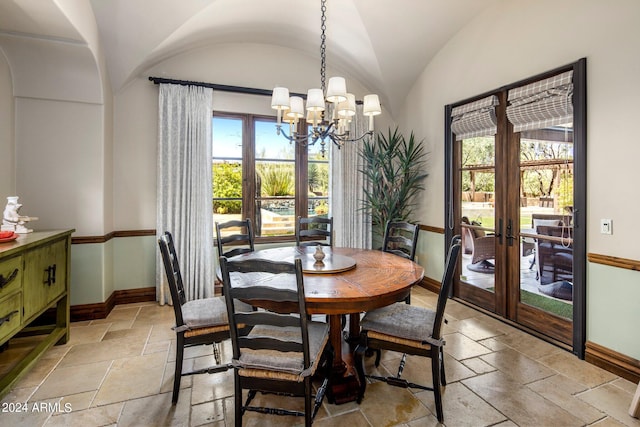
{"x": 347, "y": 108}
{"x": 280, "y": 98}
{"x": 297, "y": 108}
{"x": 315, "y": 100}
{"x": 337, "y": 90}
{"x": 314, "y": 116}
{"x": 371, "y": 105}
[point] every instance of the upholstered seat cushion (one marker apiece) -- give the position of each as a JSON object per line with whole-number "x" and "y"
{"x": 402, "y": 320}
{"x": 207, "y": 312}
{"x": 286, "y": 362}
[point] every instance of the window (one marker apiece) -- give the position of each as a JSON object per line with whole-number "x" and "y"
{"x": 257, "y": 174}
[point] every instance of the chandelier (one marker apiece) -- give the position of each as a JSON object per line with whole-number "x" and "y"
{"x": 337, "y": 103}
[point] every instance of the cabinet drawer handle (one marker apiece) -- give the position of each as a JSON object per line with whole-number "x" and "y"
{"x": 4, "y": 282}
{"x": 8, "y": 317}
{"x": 51, "y": 275}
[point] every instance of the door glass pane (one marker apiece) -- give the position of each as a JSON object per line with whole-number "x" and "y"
{"x": 318, "y": 179}
{"x": 546, "y": 213}
{"x": 478, "y": 212}
{"x": 227, "y": 168}
{"x": 275, "y": 182}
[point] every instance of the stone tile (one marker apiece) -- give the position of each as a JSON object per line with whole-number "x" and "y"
{"x": 613, "y": 401}
{"x": 25, "y": 414}
{"x": 156, "y": 410}
{"x": 101, "y": 351}
{"x": 607, "y": 422}
{"x": 517, "y": 366}
{"x": 157, "y": 347}
{"x": 140, "y": 334}
{"x": 520, "y": 404}
{"x": 493, "y": 344}
{"x": 461, "y": 347}
{"x": 418, "y": 369}
{"x": 528, "y": 344}
{"x": 462, "y": 407}
{"x": 353, "y": 418}
{"x": 132, "y": 378}
{"x": 626, "y": 385}
{"x": 477, "y": 329}
{"x": 207, "y": 387}
{"x": 383, "y": 406}
{"x": 86, "y": 334}
{"x": 64, "y": 381}
{"x": 561, "y": 390}
{"x": 576, "y": 369}
{"x": 100, "y": 416}
{"x": 478, "y": 365}
{"x": 459, "y": 311}
{"x": 39, "y": 372}
{"x": 79, "y": 401}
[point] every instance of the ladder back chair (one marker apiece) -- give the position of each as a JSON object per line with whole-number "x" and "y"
{"x": 280, "y": 350}
{"x": 198, "y": 322}
{"x": 242, "y": 240}
{"x": 410, "y": 330}
{"x": 318, "y": 228}
{"x": 401, "y": 238}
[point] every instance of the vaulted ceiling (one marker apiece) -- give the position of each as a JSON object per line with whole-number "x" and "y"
{"x": 385, "y": 44}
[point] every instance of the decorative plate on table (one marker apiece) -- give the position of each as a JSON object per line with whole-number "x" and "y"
{"x": 7, "y": 236}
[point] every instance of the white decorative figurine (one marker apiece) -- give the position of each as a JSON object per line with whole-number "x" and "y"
{"x": 12, "y": 220}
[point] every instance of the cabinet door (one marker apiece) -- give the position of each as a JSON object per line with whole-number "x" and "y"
{"x": 45, "y": 276}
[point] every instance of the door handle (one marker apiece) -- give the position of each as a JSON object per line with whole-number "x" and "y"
{"x": 510, "y": 235}
{"x": 5, "y": 281}
{"x": 499, "y": 231}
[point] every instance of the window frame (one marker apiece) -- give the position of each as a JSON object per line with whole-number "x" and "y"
{"x": 301, "y": 170}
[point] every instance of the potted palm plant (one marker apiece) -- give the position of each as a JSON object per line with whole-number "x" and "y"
{"x": 394, "y": 168}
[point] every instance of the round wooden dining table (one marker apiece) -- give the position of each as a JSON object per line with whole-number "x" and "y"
{"x": 348, "y": 281}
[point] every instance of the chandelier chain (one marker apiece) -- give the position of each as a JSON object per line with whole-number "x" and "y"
{"x": 323, "y": 45}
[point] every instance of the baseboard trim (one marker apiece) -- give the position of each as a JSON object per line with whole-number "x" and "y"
{"x": 101, "y": 310}
{"x": 612, "y": 361}
{"x": 430, "y": 284}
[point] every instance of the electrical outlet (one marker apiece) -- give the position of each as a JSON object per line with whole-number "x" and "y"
{"x": 606, "y": 226}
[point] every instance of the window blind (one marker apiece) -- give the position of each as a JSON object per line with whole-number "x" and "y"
{"x": 477, "y": 118}
{"x": 541, "y": 104}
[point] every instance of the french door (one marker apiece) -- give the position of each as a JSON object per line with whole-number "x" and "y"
{"x": 516, "y": 195}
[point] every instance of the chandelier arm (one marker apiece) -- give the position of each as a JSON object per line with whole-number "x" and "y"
{"x": 298, "y": 139}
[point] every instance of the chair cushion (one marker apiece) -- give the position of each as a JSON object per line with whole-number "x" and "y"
{"x": 207, "y": 312}
{"x": 402, "y": 320}
{"x": 291, "y": 362}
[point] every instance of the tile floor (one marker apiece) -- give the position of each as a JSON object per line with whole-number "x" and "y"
{"x": 119, "y": 371}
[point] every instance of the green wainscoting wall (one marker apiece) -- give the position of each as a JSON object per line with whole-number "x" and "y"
{"x": 613, "y": 308}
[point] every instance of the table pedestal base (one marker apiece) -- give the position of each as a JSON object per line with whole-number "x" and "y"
{"x": 344, "y": 385}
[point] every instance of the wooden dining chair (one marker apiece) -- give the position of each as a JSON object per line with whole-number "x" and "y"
{"x": 242, "y": 239}
{"x": 198, "y": 322}
{"x": 280, "y": 350}
{"x": 316, "y": 227}
{"x": 409, "y": 330}
{"x": 401, "y": 238}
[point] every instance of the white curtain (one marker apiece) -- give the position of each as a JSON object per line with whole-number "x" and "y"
{"x": 184, "y": 205}
{"x": 351, "y": 223}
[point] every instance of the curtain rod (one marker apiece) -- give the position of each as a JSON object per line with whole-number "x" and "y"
{"x": 222, "y": 88}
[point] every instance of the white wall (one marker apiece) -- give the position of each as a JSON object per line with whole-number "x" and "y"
{"x": 7, "y": 146}
{"x": 498, "y": 48}
{"x": 136, "y": 110}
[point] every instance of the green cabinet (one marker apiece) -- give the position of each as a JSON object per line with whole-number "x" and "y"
{"x": 34, "y": 294}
